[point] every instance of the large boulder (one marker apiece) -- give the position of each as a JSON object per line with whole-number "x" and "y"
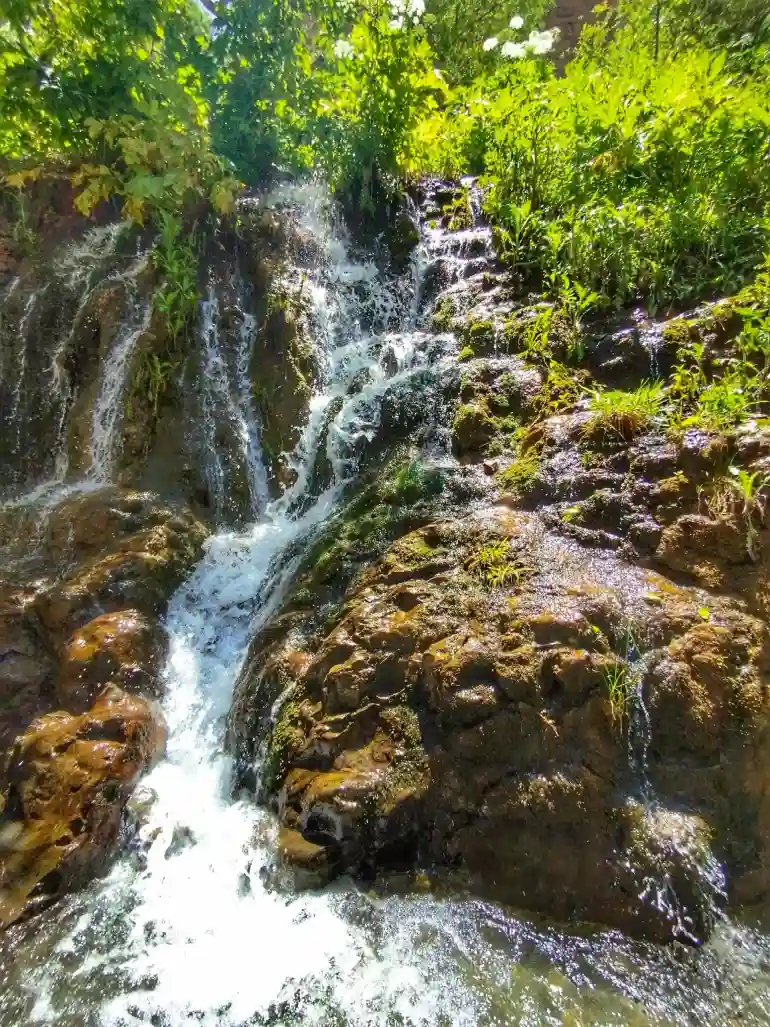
{"x": 492, "y": 700}
{"x": 125, "y": 648}
{"x": 81, "y": 650}
{"x": 116, "y": 549}
{"x": 63, "y": 792}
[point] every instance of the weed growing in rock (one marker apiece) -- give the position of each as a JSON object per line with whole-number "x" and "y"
{"x": 619, "y": 684}
{"x": 176, "y": 257}
{"x": 493, "y": 564}
{"x": 618, "y": 416}
{"x": 739, "y": 494}
{"x": 152, "y": 379}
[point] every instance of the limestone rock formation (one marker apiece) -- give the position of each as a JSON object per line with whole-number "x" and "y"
{"x": 560, "y": 730}
{"x": 64, "y": 787}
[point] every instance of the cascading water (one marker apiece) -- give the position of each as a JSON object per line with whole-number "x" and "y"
{"x": 105, "y": 420}
{"x": 226, "y": 399}
{"x": 42, "y": 395}
{"x": 187, "y": 927}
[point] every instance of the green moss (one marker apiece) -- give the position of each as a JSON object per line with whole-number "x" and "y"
{"x": 443, "y": 315}
{"x": 287, "y": 739}
{"x": 466, "y": 353}
{"x": 513, "y": 333}
{"x": 473, "y": 426}
{"x": 678, "y": 333}
{"x": 479, "y": 335}
{"x": 520, "y": 477}
{"x": 402, "y": 725}
{"x": 411, "y": 482}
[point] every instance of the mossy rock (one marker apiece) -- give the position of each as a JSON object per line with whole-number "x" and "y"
{"x": 473, "y": 427}
{"x": 479, "y": 336}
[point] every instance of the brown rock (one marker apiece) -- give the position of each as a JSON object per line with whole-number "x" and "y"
{"x": 481, "y": 722}
{"x": 119, "y": 549}
{"x": 26, "y": 667}
{"x": 124, "y": 648}
{"x": 63, "y": 792}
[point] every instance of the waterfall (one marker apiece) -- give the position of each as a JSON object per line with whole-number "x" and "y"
{"x": 181, "y": 920}
{"x": 226, "y": 400}
{"x": 186, "y": 929}
{"x": 37, "y": 379}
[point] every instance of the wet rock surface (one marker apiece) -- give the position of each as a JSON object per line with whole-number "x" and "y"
{"x": 66, "y": 781}
{"x": 553, "y": 690}
{"x": 460, "y": 714}
{"x": 81, "y": 649}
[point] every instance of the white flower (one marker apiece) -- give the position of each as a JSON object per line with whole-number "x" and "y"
{"x": 513, "y": 50}
{"x": 397, "y": 23}
{"x": 342, "y": 49}
{"x": 541, "y": 42}
{"x": 491, "y": 43}
{"x": 437, "y": 72}
{"x": 415, "y": 9}
{"x": 516, "y": 22}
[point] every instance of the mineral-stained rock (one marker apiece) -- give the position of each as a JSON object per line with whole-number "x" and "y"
{"x": 119, "y": 550}
{"x": 125, "y": 648}
{"x": 501, "y": 702}
{"x": 63, "y": 791}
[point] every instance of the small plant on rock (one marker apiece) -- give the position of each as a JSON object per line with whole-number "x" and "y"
{"x": 621, "y": 416}
{"x": 619, "y": 683}
{"x": 739, "y": 493}
{"x": 493, "y": 564}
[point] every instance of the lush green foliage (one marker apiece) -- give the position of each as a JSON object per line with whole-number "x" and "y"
{"x": 457, "y": 30}
{"x": 640, "y": 172}
{"x": 636, "y": 175}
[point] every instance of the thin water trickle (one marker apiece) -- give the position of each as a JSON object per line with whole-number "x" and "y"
{"x": 107, "y": 410}
{"x": 226, "y": 400}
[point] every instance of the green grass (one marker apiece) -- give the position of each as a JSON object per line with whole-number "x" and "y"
{"x": 493, "y": 564}
{"x": 619, "y": 416}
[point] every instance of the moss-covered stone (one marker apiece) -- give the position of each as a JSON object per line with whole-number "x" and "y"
{"x": 441, "y": 722}
{"x": 473, "y": 427}
{"x": 479, "y": 335}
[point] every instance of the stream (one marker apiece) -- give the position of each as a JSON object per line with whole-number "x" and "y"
{"x": 189, "y": 926}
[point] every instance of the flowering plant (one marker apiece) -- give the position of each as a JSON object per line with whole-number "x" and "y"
{"x": 537, "y": 42}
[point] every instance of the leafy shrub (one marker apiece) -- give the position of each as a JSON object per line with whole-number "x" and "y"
{"x": 637, "y": 177}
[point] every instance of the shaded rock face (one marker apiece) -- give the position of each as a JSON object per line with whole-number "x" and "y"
{"x": 477, "y": 705}
{"x": 26, "y": 667}
{"x": 67, "y": 779}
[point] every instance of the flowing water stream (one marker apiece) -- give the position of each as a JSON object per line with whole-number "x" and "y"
{"x": 188, "y": 927}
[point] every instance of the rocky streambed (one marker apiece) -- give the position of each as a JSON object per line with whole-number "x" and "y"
{"x": 400, "y": 607}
